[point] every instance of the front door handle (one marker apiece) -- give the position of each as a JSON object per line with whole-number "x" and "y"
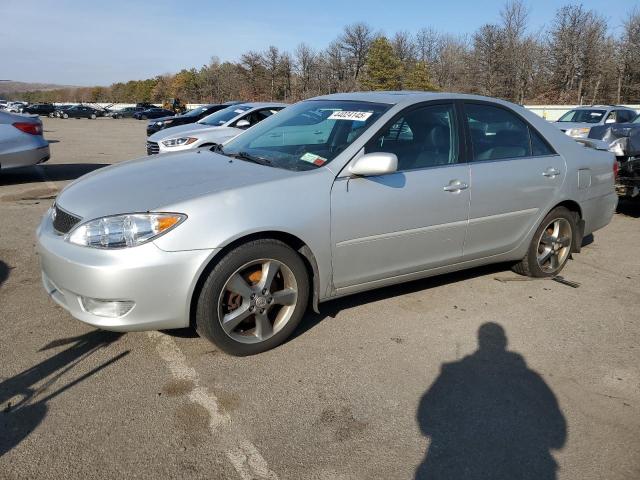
{"x": 455, "y": 186}
{"x": 551, "y": 172}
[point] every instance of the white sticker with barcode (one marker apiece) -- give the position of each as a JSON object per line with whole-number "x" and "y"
{"x": 346, "y": 115}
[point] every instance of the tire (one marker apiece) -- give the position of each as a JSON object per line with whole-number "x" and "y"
{"x": 93, "y": 116}
{"x": 280, "y": 307}
{"x": 65, "y": 115}
{"x": 548, "y": 255}
{"x": 143, "y": 117}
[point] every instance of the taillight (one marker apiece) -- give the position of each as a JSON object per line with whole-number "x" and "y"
{"x": 615, "y": 168}
{"x": 27, "y": 127}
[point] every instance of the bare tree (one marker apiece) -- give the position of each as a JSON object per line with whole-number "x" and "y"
{"x": 355, "y": 41}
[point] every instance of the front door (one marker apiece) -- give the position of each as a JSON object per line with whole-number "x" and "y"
{"x": 412, "y": 220}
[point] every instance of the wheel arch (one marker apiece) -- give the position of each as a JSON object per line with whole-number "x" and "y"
{"x": 575, "y": 208}
{"x": 288, "y": 239}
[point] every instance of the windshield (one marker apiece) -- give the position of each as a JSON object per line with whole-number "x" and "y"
{"x": 583, "y": 116}
{"x": 636, "y": 120}
{"x": 195, "y": 112}
{"x": 223, "y": 116}
{"x": 306, "y": 135}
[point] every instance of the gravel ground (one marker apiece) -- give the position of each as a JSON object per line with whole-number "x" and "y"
{"x": 408, "y": 381}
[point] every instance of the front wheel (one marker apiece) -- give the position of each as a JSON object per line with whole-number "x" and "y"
{"x": 551, "y": 245}
{"x": 93, "y": 116}
{"x": 65, "y": 115}
{"x": 254, "y": 298}
{"x": 143, "y": 117}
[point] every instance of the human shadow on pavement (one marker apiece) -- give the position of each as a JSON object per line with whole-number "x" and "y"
{"x": 48, "y": 172}
{"x": 24, "y": 397}
{"x": 489, "y": 416}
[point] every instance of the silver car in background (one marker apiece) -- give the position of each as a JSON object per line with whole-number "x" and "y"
{"x": 21, "y": 141}
{"x": 332, "y": 196}
{"x": 212, "y": 130}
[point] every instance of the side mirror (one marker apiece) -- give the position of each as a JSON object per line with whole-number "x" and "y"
{"x": 371, "y": 164}
{"x": 243, "y": 123}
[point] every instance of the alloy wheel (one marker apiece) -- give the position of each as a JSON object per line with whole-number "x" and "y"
{"x": 554, "y": 245}
{"x": 257, "y": 301}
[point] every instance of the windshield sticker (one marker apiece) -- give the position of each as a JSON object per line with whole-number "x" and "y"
{"x": 346, "y": 115}
{"x": 313, "y": 158}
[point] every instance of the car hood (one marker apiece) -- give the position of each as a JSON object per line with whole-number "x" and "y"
{"x": 153, "y": 182}
{"x": 197, "y": 130}
{"x": 162, "y": 119}
{"x": 172, "y": 132}
{"x": 567, "y": 125}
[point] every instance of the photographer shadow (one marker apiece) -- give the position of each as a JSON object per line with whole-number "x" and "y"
{"x": 489, "y": 416}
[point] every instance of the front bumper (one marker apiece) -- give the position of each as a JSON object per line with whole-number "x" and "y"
{"x": 160, "y": 283}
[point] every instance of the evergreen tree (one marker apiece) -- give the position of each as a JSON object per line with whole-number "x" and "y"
{"x": 383, "y": 68}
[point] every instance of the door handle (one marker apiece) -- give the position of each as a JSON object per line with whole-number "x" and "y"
{"x": 551, "y": 172}
{"x": 455, "y": 186}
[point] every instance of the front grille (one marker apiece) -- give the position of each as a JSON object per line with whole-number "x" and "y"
{"x": 63, "y": 222}
{"x": 152, "y": 148}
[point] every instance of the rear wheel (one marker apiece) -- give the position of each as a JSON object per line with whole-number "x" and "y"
{"x": 254, "y": 298}
{"x": 143, "y": 117}
{"x": 551, "y": 245}
{"x": 93, "y": 116}
{"x": 65, "y": 115}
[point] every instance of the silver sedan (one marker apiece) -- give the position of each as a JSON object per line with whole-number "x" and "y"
{"x": 332, "y": 196}
{"x": 21, "y": 141}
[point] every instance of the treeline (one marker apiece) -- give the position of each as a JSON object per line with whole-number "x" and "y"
{"x": 576, "y": 59}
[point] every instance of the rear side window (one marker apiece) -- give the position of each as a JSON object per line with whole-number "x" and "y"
{"x": 499, "y": 134}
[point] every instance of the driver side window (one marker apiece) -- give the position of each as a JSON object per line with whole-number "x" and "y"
{"x": 422, "y": 138}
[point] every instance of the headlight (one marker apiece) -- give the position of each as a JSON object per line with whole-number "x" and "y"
{"x": 121, "y": 231}
{"x": 179, "y": 142}
{"x": 578, "y": 132}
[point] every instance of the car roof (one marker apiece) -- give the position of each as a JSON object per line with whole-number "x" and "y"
{"x": 606, "y": 107}
{"x": 260, "y": 104}
{"x": 406, "y": 97}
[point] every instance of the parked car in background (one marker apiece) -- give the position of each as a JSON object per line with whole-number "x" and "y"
{"x": 21, "y": 141}
{"x": 623, "y": 140}
{"x": 329, "y": 197}
{"x": 60, "y": 109}
{"x": 45, "y": 109}
{"x": 3, "y": 104}
{"x": 15, "y": 107}
{"x": 126, "y": 112}
{"x": 80, "y": 111}
{"x": 579, "y": 121}
{"x": 191, "y": 116}
{"x": 212, "y": 130}
{"x": 154, "y": 112}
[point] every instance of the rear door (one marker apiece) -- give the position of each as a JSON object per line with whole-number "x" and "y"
{"x": 515, "y": 178}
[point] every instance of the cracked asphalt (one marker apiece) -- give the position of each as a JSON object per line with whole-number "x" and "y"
{"x": 478, "y": 374}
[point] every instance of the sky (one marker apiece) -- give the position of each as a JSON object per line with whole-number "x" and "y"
{"x": 100, "y": 42}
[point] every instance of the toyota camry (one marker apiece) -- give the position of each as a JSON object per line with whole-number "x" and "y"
{"x": 332, "y": 196}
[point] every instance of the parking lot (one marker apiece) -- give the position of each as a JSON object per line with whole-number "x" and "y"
{"x": 392, "y": 383}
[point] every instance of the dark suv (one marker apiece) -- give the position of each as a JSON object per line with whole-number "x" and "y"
{"x": 40, "y": 109}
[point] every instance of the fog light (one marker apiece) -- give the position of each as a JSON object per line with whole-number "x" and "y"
{"x": 107, "y": 308}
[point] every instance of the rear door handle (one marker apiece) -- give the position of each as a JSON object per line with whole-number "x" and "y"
{"x": 551, "y": 172}
{"x": 455, "y": 186}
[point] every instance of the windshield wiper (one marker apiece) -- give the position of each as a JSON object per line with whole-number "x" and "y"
{"x": 248, "y": 157}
